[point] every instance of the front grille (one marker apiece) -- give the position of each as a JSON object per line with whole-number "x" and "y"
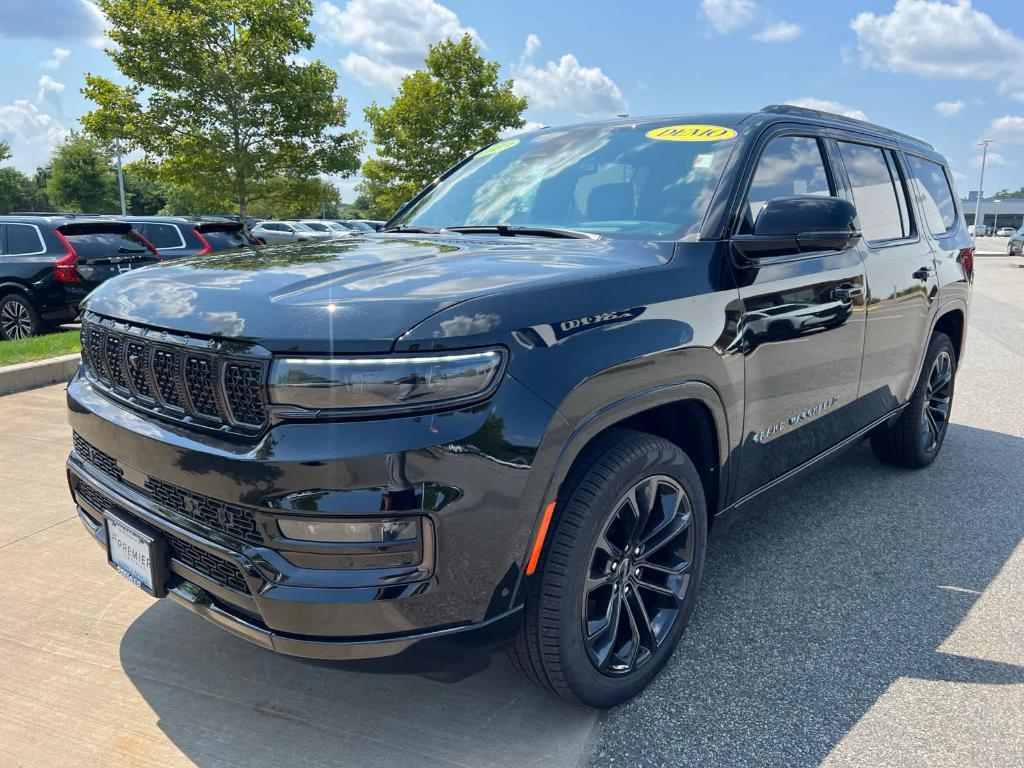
{"x": 177, "y": 377}
{"x": 230, "y": 519}
{"x": 213, "y": 567}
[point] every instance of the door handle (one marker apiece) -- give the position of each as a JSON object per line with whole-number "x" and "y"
{"x": 847, "y": 292}
{"x": 923, "y": 273}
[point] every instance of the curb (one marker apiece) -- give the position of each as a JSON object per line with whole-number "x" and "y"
{"x": 38, "y": 373}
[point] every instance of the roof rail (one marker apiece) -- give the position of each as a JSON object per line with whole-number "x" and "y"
{"x": 44, "y": 213}
{"x": 820, "y": 114}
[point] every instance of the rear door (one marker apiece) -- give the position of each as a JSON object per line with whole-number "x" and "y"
{"x": 105, "y": 249}
{"x": 900, "y": 268}
{"x": 801, "y": 325}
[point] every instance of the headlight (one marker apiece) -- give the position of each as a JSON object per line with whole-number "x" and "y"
{"x": 364, "y": 385}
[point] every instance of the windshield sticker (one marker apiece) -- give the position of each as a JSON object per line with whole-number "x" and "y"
{"x": 691, "y": 133}
{"x": 703, "y": 161}
{"x": 494, "y": 149}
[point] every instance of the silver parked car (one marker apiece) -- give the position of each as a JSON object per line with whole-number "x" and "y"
{"x": 288, "y": 232}
{"x": 332, "y": 228}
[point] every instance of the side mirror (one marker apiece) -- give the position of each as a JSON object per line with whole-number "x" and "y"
{"x": 801, "y": 224}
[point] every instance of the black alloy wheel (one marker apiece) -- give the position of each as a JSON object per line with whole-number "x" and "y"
{"x": 18, "y": 318}
{"x": 938, "y": 400}
{"x": 639, "y": 573}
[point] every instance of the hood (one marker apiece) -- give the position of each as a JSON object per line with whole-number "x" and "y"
{"x": 353, "y": 295}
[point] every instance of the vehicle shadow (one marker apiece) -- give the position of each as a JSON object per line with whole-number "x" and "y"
{"x": 822, "y": 596}
{"x": 814, "y": 603}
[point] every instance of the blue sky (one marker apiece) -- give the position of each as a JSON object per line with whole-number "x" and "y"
{"x": 950, "y": 72}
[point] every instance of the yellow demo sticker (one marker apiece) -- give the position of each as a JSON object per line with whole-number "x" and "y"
{"x": 494, "y": 149}
{"x": 691, "y": 133}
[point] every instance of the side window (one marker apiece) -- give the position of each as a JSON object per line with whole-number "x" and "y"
{"x": 878, "y": 192}
{"x": 3, "y": 250}
{"x": 23, "y": 239}
{"x": 789, "y": 165}
{"x": 937, "y": 200}
{"x": 163, "y": 236}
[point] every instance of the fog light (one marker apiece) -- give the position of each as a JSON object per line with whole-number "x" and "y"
{"x": 370, "y": 532}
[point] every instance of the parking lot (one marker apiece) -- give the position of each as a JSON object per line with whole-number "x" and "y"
{"x": 864, "y": 617}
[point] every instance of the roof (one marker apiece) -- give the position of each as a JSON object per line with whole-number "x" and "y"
{"x": 53, "y": 219}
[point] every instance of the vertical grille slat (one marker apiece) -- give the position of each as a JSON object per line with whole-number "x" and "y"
{"x": 176, "y": 377}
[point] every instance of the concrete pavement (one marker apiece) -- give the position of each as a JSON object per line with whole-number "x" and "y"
{"x": 865, "y": 617}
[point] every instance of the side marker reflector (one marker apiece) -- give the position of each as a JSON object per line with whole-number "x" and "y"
{"x": 538, "y": 543}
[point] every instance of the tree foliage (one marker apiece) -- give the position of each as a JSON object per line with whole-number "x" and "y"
{"x": 1007, "y": 194}
{"x": 19, "y": 193}
{"x": 5, "y": 151}
{"x": 217, "y": 98}
{"x": 441, "y": 113}
{"x": 81, "y": 177}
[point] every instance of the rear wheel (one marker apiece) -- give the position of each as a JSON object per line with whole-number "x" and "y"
{"x": 620, "y": 572}
{"x": 18, "y": 318}
{"x": 915, "y": 438}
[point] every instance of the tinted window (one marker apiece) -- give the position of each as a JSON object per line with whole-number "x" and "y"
{"x": 613, "y": 180}
{"x": 92, "y": 244}
{"x": 23, "y": 239}
{"x": 937, "y": 198}
{"x": 222, "y": 239}
{"x": 317, "y": 226}
{"x": 789, "y": 165}
{"x": 2, "y": 239}
{"x": 877, "y": 192}
{"x": 161, "y": 235}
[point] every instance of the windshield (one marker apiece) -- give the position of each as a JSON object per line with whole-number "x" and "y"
{"x": 301, "y": 227}
{"x": 619, "y": 181}
{"x": 317, "y": 226}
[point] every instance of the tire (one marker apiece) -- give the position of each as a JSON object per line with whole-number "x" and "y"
{"x": 916, "y": 437}
{"x": 18, "y": 318}
{"x": 594, "y": 518}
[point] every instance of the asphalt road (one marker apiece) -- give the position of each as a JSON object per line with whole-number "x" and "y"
{"x": 864, "y": 617}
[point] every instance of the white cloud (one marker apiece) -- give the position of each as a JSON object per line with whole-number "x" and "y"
{"x": 826, "y": 105}
{"x": 780, "y": 32}
{"x": 566, "y": 84}
{"x": 992, "y": 158}
{"x": 529, "y": 125}
{"x": 1008, "y": 128}
{"x": 57, "y": 57}
{"x": 532, "y": 45}
{"x": 391, "y": 36}
{"x": 53, "y": 20}
{"x": 48, "y": 85}
{"x": 31, "y": 133}
{"x": 297, "y": 59}
{"x": 937, "y": 39}
{"x": 728, "y": 15}
{"x": 950, "y": 108}
{"x": 372, "y": 72}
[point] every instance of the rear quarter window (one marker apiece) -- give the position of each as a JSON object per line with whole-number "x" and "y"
{"x": 937, "y": 200}
{"x": 23, "y": 240}
{"x": 162, "y": 236}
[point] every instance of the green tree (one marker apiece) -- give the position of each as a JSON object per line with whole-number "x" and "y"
{"x": 443, "y": 112}
{"x": 81, "y": 177}
{"x": 217, "y": 97}
{"x": 1006, "y": 194}
{"x": 5, "y": 151}
{"x": 18, "y": 192}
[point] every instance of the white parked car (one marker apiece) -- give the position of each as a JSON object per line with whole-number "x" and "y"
{"x": 288, "y": 232}
{"x": 1005, "y": 231}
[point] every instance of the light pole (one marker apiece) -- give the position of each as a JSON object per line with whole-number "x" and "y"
{"x": 981, "y": 185}
{"x": 995, "y": 224}
{"x": 120, "y": 177}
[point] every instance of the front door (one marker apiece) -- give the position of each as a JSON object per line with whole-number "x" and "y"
{"x": 801, "y": 328}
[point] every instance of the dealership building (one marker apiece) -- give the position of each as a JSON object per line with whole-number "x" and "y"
{"x": 994, "y": 212}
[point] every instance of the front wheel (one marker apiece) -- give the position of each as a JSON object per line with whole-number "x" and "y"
{"x": 620, "y": 571}
{"x": 915, "y": 438}
{"x": 18, "y": 318}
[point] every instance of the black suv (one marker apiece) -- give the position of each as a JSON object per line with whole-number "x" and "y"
{"x": 515, "y": 414}
{"x": 178, "y": 236}
{"x": 50, "y": 262}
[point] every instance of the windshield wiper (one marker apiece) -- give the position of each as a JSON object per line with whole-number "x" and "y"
{"x": 413, "y": 228}
{"x": 511, "y": 230}
{"x": 123, "y": 249}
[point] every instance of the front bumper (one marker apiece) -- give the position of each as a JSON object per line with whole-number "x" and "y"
{"x": 465, "y": 480}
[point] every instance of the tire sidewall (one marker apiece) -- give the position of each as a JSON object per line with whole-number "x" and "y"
{"x": 587, "y": 683}
{"x": 939, "y": 343}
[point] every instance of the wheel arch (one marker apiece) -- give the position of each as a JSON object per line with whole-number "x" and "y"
{"x": 690, "y": 414}
{"x": 952, "y": 321}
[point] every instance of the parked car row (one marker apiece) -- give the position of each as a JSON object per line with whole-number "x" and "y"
{"x": 49, "y": 262}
